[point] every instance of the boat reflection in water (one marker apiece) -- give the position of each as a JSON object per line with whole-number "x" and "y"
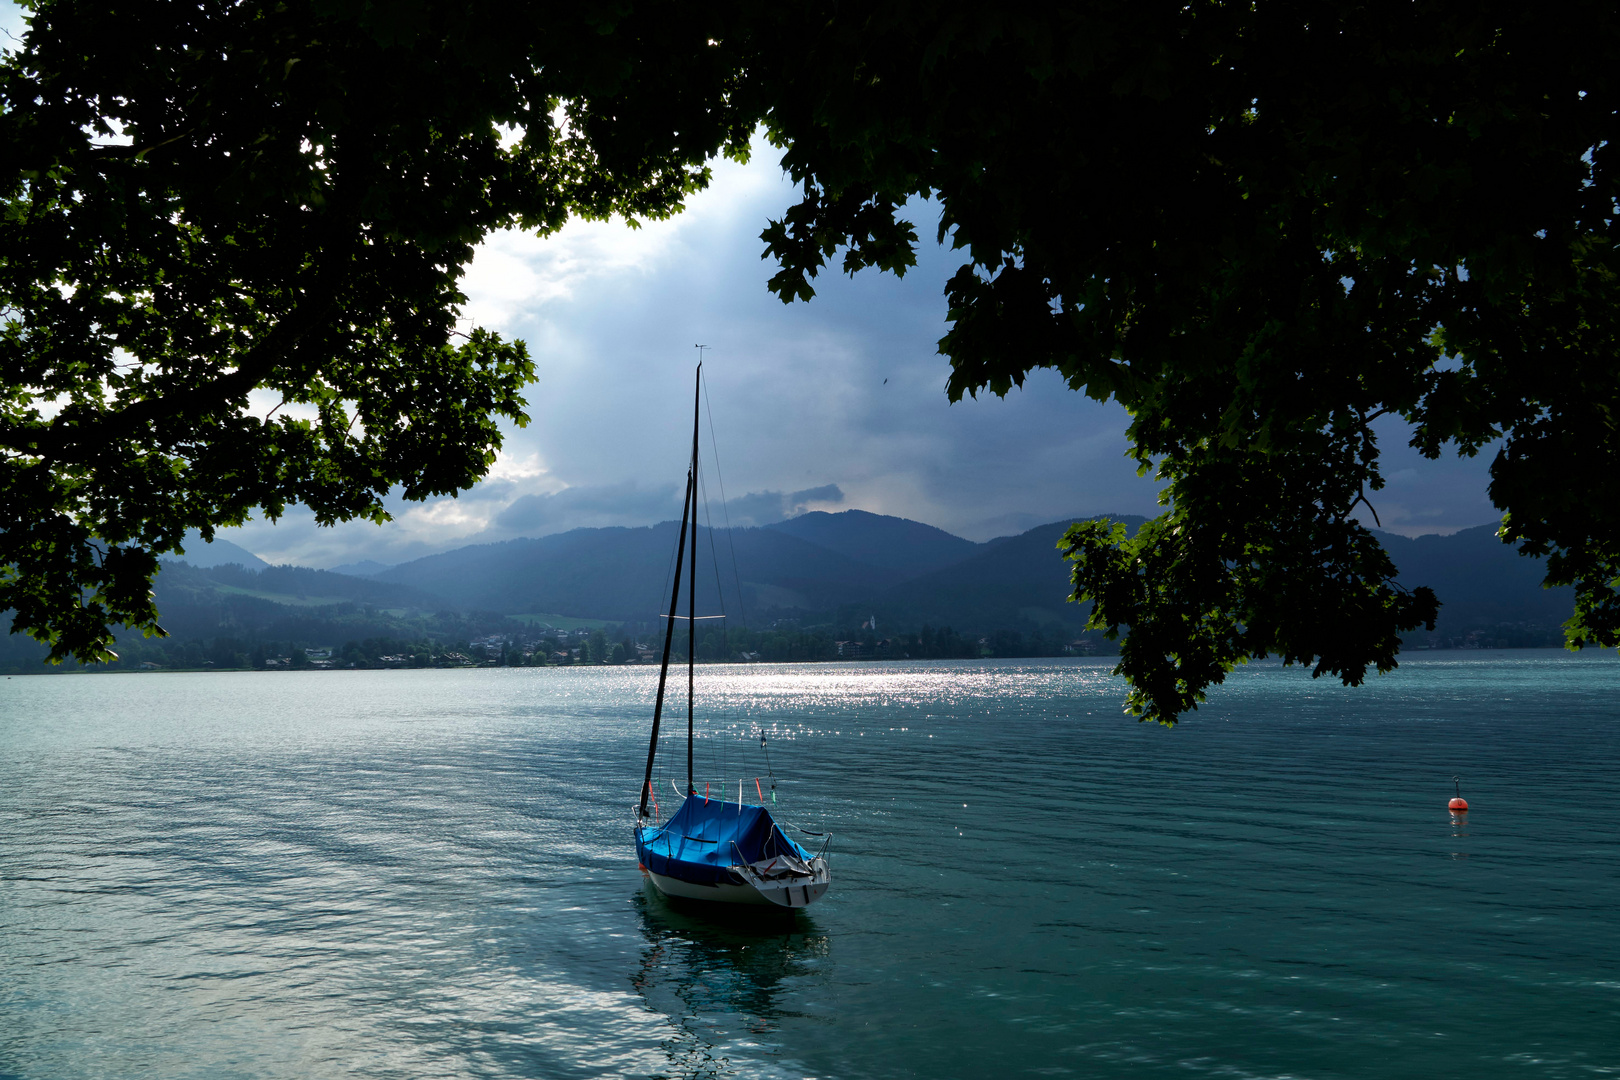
{"x": 727, "y": 980}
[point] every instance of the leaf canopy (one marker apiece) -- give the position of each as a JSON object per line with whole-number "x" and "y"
{"x": 203, "y": 202}
{"x": 1260, "y": 228}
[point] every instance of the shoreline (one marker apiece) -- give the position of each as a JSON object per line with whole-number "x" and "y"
{"x": 1412, "y": 654}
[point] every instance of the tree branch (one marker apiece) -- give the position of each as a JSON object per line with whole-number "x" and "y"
{"x": 72, "y": 428}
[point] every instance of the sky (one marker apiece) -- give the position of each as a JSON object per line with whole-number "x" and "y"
{"x": 834, "y": 404}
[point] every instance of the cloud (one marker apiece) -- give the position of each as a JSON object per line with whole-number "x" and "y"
{"x": 768, "y": 507}
{"x": 589, "y": 507}
{"x": 518, "y": 278}
{"x": 803, "y": 501}
{"x": 630, "y": 503}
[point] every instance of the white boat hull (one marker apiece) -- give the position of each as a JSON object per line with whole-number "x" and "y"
{"x": 794, "y": 892}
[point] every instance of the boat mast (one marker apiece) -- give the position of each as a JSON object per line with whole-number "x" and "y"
{"x": 669, "y": 637}
{"x": 691, "y": 589}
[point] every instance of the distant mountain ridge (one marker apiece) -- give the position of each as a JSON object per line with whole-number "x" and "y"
{"x": 1480, "y": 580}
{"x": 363, "y": 568}
{"x": 622, "y": 573}
{"x": 892, "y": 543}
{"x": 847, "y": 567}
{"x": 823, "y": 578}
{"x": 836, "y": 570}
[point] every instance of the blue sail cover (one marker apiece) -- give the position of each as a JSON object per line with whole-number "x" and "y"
{"x": 704, "y": 837}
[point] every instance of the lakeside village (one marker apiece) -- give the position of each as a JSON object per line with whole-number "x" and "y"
{"x": 546, "y": 646}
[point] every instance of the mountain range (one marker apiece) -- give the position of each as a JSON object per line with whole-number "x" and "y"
{"x": 846, "y": 568}
{"x": 808, "y": 566}
{"x": 841, "y": 575}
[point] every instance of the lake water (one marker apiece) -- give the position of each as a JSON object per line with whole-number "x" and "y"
{"x": 430, "y": 874}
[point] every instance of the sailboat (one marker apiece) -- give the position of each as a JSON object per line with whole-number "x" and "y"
{"x": 711, "y": 848}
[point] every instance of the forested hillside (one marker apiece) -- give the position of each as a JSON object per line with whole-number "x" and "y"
{"x": 1490, "y": 595}
{"x": 229, "y": 616}
{"x": 907, "y": 547}
{"x": 620, "y": 573}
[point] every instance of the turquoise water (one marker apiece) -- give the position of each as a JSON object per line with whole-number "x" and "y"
{"x": 430, "y": 874}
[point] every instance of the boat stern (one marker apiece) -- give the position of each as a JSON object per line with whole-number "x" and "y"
{"x": 790, "y": 886}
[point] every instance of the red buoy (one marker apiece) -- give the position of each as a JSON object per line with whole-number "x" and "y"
{"x": 1459, "y": 805}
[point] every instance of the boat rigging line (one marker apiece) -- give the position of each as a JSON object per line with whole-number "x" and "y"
{"x": 768, "y": 770}
{"x": 725, "y": 511}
